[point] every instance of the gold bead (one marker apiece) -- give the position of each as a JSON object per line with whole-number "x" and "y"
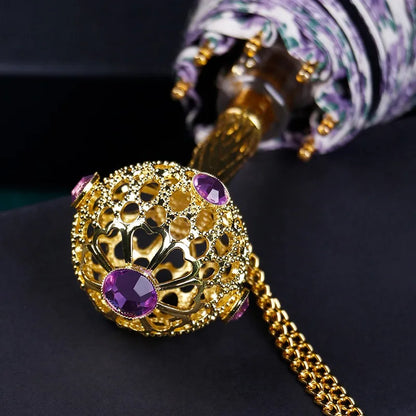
{"x": 306, "y": 72}
{"x": 327, "y": 125}
{"x": 307, "y": 149}
{"x": 250, "y": 63}
{"x": 203, "y": 55}
{"x": 323, "y": 130}
{"x": 253, "y": 45}
{"x": 304, "y": 154}
{"x": 180, "y": 89}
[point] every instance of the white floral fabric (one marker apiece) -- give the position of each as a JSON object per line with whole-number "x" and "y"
{"x": 365, "y": 51}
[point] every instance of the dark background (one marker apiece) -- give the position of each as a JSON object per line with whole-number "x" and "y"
{"x": 86, "y": 87}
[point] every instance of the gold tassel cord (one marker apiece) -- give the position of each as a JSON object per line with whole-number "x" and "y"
{"x": 235, "y": 137}
{"x": 234, "y": 140}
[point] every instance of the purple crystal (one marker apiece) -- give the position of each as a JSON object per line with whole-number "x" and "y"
{"x": 130, "y": 292}
{"x": 240, "y": 311}
{"x": 211, "y": 189}
{"x": 80, "y": 186}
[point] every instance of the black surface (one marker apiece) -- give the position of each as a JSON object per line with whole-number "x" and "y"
{"x": 78, "y": 77}
{"x": 336, "y": 239}
{"x": 98, "y": 37}
{"x": 56, "y": 130}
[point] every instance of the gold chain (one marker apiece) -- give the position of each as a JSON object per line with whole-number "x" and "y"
{"x": 307, "y": 364}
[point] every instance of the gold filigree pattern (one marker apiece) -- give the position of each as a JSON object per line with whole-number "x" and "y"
{"x": 149, "y": 215}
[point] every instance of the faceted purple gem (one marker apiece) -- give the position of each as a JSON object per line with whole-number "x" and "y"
{"x": 80, "y": 186}
{"x": 211, "y": 189}
{"x": 240, "y": 311}
{"x": 130, "y": 292}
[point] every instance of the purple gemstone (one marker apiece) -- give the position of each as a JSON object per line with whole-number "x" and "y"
{"x": 211, "y": 189}
{"x": 80, "y": 186}
{"x": 130, "y": 292}
{"x": 240, "y": 311}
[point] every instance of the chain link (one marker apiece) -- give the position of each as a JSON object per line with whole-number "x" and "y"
{"x": 307, "y": 364}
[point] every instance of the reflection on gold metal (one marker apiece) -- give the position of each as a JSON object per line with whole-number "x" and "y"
{"x": 327, "y": 125}
{"x": 306, "y": 72}
{"x": 203, "y": 55}
{"x": 237, "y": 70}
{"x": 253, "y": 45}
{"x": 149, "y": 215}
{"x": 180, "y": 89}
{"x": 235, "y": 137}
{"x": 250, "y": 63}
{"x": 307, "y": 149}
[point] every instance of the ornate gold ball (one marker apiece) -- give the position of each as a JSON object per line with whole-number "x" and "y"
{"x": 159, "y": 248}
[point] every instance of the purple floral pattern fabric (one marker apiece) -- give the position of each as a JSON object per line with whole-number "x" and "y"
{"x": 322, "y": 32}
